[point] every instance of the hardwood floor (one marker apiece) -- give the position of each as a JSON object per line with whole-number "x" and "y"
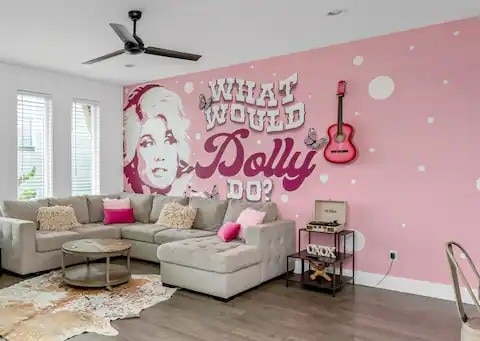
{"x": 274, "y": 312}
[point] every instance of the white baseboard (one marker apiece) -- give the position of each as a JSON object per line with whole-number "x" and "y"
{"x": 406, "y": 285}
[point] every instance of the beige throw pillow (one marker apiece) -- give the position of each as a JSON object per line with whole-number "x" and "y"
{"x": 177, "y": 216}
{"x": 57, "y": 218}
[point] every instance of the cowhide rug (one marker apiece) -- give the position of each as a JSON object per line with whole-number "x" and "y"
{"x": 42, "y": 308}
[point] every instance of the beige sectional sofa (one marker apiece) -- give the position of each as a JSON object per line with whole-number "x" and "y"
{"x": 190, "y": 258}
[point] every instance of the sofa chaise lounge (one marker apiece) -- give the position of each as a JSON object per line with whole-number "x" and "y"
{"x": 193, "y": 258}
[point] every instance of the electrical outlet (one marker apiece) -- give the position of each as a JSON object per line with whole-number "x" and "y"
{"x": 393, "y": 255}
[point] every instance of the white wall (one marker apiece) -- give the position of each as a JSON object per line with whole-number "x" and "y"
{"x": 63, "y": 90}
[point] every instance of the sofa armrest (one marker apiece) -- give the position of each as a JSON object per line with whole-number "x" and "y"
{"x": 276, "y": 240}
{"x": 18, "y": 236}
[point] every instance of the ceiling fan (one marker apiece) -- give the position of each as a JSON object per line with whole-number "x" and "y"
{"x": 133, "y": 44}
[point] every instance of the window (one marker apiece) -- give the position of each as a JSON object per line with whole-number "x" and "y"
{"x": 34, "y": 145}
{"x": 85, "y": 148}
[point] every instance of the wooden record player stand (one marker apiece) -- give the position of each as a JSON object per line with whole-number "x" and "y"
{"x": 339, "y": 280}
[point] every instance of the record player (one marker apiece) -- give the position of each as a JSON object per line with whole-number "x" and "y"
{"x": 328, "y": 216}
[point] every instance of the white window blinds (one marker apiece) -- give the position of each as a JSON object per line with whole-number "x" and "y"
{"x": 34, "y": 147}
{"x": 85, "y": 148}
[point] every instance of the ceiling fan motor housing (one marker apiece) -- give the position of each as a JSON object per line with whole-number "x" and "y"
{"x": 132, "y": 48}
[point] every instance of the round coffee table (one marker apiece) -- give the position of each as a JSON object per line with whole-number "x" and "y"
{"x": 95, "y": 275}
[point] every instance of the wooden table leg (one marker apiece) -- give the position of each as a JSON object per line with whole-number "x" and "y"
{"x": 128, "y": 264}
{"x": 63, "y": 265}
{"x": 107, "y": 274}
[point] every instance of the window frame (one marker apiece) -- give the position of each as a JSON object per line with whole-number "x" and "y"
{"x": 47, "y": 143}
{"x": 95, "y": 148}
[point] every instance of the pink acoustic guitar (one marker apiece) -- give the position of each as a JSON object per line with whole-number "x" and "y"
{"x": 340, "y": 148}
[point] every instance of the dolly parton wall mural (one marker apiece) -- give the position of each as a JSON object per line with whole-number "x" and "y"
{"x": 158, "y": 155}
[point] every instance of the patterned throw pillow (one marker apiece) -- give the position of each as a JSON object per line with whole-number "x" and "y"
{"x": 177, "y": 216}
{"x": 57, "y": 218}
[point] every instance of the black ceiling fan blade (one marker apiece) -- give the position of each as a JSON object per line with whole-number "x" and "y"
{"x": 172, "y": 54}
{"x": 123, "y": 33}
{"x": 110, "y": 55}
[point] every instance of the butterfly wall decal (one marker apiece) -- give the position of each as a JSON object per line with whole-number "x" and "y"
{"x": 213, "y": 194}
{"x": 204, "y": 103}
{"x": 191, "y": 193}
{"x": 312, "y": 142}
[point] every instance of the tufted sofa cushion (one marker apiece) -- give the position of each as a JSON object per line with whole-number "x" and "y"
{"x": 141, "y": 204}
{"x": 275, "y": 240}
{"x": 100, "y": 231}
{"x": 210, "y": 254}
{"x": 210, "y": 213}
{"x": 78, "y": 203}
{"x": 95, "y": 207}
{"x": 159, "y": 201}
{"x": 173, "y": 235}
{"x": 53, "y": 240}
{"x": 23, "y": 209}
{"x": 142, "y": 232}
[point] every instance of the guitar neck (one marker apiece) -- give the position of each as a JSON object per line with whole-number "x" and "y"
{"x": 340, "y": 115}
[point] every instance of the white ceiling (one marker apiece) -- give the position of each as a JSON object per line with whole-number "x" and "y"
{"x": 59, "y": 35}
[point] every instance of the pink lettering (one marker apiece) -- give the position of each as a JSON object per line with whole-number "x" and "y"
{"x": 286, "y": 166}
{"x": 210, "y": 146}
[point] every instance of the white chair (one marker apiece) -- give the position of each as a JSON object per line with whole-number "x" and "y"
{"x": 470, "y": 325}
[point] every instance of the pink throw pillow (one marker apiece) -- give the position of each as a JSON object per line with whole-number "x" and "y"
{"x": 118, "y": 216}
{"x": 249, "y": 217}
{"x": 229, "y": 231}
{"x": 116, "y": 203}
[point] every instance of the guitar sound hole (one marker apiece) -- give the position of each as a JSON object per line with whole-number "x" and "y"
{"x": 339, "y": 138}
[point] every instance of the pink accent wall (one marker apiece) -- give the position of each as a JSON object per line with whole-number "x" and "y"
{"x": 416, "y": 182}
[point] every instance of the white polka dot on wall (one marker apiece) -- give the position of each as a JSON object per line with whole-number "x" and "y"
{"x": 360, "y": 241}
{"x": 198, "y": 136}
{"x": 478, "y": 184}
{"x": 353, "y": 181}
{"x": 259, "y": 141}
{"x": 445, "y": 82}
{"x": 371, "y": 150}
{"x": 274, "y": 74}
{"x": 356, "y": 113}
{"x": 404, "y": 225}
{"x": 412, "y": 47}
{"x": 188, "y": 87}
{"x": 323, "y": 178}
{"x": 421, "y": 168}
{"x": 358, "y": 60}
{"x": 309, "y": 96}
{"x": 431, "y": 119}
{"x": 252, "y": 66}
{"x": 201, "y": 82}
{"x": 381, "y": 87}
{"x": 284, "y": 198}
{"x": 456, "y": 33}
{"x": 296, "y": 216}
{"x": 176, "y": 82}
